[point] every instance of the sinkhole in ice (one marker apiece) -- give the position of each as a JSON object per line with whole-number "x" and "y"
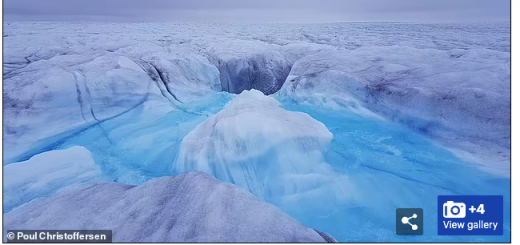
{"x": 259, "y": 72}
{"x": 340, "y": 172}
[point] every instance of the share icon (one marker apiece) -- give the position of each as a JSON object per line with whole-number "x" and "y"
{"x": 406, "y": 220}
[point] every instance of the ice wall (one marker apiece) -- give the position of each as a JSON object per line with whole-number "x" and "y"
{"x": 265, "y": 72}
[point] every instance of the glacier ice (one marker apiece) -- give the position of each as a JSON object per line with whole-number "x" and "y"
{"x": 451, "y": 99}
{"x": 47, "y": 173}
{"x": 274, "y": 153}
{"x": 73, "y": 98}
{"x": 415, "y": 110}
{"x": 265, "y": 72}
{"x": 401, "y": 76}
{"x": 183, "y": 79}
{"x": 193, "y": 207}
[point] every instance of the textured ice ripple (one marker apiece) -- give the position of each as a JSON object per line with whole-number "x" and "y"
{"x": 193, "y": 207}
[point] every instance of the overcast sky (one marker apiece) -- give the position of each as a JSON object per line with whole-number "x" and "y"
{"x": 259, "y": 11}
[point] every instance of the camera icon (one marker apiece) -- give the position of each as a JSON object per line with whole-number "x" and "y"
{"x": 454, "y": 210}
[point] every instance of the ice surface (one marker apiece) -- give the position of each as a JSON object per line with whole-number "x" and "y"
{"x": 399, "y": 72}
{"x": 415, "y": 110}
{"x": 142, "y": 143}
{"x": 388, "y": 167}
{"x": 46, "y": 173}
{"x": 193, "y": 207}
{"x": 461, "y": 99}
{"x": 46, "y": 102}
{"x": 272, "y": 152}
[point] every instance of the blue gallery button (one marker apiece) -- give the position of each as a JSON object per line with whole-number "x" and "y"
{"x": 470, "y": 215}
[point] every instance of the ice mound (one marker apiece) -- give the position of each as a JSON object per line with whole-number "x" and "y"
{"x": 256, "y": 144}
{"x": 47, "y": 173}
{"x": 193, "y": 207}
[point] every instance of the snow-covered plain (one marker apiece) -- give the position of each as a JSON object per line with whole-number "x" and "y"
{"x": 360, "y": 118}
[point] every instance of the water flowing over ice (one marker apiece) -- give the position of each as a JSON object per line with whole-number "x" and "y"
{"x": 336, "y": 125}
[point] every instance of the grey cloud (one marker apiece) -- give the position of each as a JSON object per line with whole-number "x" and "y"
{"x": 265, "y": 10}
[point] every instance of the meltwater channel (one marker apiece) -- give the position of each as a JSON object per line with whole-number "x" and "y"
{"x": 376, "y": 166}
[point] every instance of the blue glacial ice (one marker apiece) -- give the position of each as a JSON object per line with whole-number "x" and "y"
{"x": 360, "y": 119}
{"x": 274, "y": 153}
{"x": 48, "y": 172}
